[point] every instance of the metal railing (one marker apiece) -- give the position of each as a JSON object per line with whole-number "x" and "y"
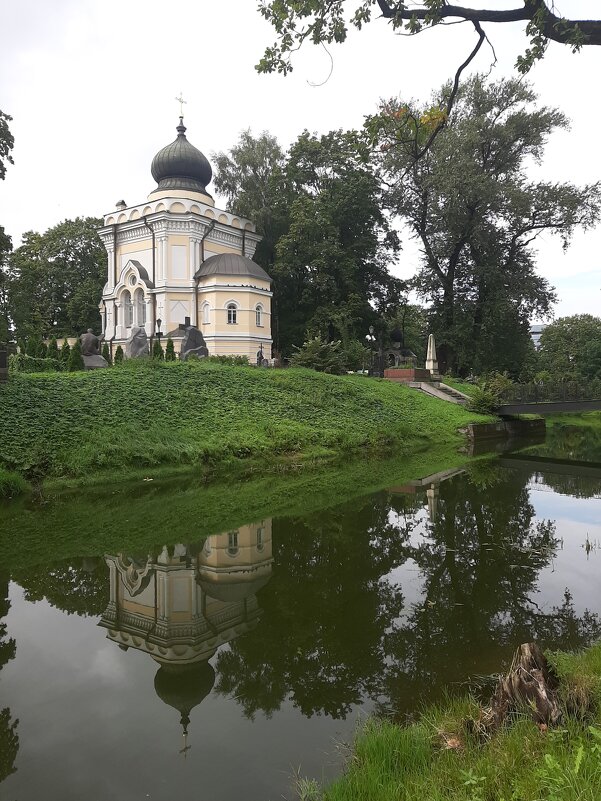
{"x": 552, "y": 391}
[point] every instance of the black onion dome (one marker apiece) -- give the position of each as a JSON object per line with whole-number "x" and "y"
{"x": 180, "y": 165}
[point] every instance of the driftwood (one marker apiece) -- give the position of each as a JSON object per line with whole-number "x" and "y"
{"x": 530, "y": 684}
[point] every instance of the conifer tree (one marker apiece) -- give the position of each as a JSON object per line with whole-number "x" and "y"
{"x": 106, "y": 353}
{"x": 170, "y": 351}
{"x": 157, "y": 351}
{"x": 43, "y": 350}
{"x": 53, "y": 349}
{"x": 119, "y": 355}
{"x": 65, "y": 353}
{"x": 75, "y": 357}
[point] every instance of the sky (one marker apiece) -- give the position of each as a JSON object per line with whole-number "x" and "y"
{"x": 91, "y": 87}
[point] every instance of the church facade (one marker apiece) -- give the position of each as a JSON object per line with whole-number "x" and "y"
{"x": 177, "y": 260}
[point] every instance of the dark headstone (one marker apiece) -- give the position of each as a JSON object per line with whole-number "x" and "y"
{"x": 137, "y": 344}
{"x": 94, "y": 362}
{"x": 90, "y": 344}
{"x": 193, "y": 344}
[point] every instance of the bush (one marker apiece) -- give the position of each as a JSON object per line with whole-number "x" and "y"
{"x": 33, "y": 347}
{"x": 106, "y": 353}
{"x": 75, "y": 358}
{"x": 317, "y": 354}
{"x": 53, "y": 352}
{"x": 231, "y": 360}
{"x": 65, "y": 353}
{"x": 170, "y": 351}
{"x": 11, "y": 484}
{"x": 482, "y": 401}
{"x": 119, "y": 355}
{"x": 157, "y": 351}
{"x": 356, "y": 355}
{"x": 21, "y": 363}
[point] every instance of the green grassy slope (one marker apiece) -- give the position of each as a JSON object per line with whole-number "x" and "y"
{"x": 144, "y": 414}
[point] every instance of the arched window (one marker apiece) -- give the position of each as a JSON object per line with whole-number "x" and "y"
{"x": 140, "y": 307}
{"x": 232, "y": 543}
{"x": 232, "y": 314}
{"x": 259, "y": 315}
{"x": 206, "y": 313}
{"x": 128, "y": 309}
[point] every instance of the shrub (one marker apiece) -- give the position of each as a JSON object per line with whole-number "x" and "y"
{"x": 317, "y": 354}
{"x": 75, "y": 358}
{"x": 106, "y": 353}
{"x": 119, "y": 355}
{"x": 157, "y": 350}
{"x": 11, "y": 484}
{"x": 65, "y": 353}
{"x": 231, "y": 360}
{"x": 21, "y": 363}
{"x": 482, "y": 401}
{"x": 33, "y": 347}
{"x": 170, "y": 351}
{"x": 53, "y": 352}
{"x": 357, "y": 356}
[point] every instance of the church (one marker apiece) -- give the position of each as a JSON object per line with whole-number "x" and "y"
{"x": 176, "y": 260}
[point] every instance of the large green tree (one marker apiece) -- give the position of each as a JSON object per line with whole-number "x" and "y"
{"x": 56, "y": 279}
{"x": 328, "y": 241}
{"x": 5, "y": 250}
{"x": 570, "y": 348}
{"x": 7, "y": 143}
{"x": 468, "y": 201}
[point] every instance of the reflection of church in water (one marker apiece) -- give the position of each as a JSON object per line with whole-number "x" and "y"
{"x": 181, "y": 605}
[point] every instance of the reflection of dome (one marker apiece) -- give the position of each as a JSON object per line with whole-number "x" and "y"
{"x": 231, "y": 264}
{"x": 233, "y": 591}
{"x": 180, "y": 165}
{"x": 184, "y": 686}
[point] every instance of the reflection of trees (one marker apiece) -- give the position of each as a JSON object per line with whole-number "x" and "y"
{"x": 80, "y": 586}
{"x": 332, "y": 631}
{"x": 575, "y": 486}
{"x": 9, "y": 739}
{"x": 326, "y": 612}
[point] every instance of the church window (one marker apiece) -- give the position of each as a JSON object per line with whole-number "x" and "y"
{"x": 206, "y": 313}
{"x": 232, "y": 314}
{"x": 128, "y": 309}
{"x": 140, "y": 307}
{"x": 232, "y": 543}
{"x": 259, "y": 315}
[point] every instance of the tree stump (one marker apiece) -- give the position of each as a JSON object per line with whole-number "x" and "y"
{"x": 530, "y": 684}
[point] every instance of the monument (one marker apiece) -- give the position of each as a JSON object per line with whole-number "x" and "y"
{"x": 90, "y": 351}
{"x": 137, "y": 343}
{"x": 431, "y": 360}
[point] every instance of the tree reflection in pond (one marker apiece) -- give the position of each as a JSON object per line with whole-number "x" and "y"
{"x": 9, "y": 739}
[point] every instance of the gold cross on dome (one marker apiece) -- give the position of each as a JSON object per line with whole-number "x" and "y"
{"x": 182, "y": 103}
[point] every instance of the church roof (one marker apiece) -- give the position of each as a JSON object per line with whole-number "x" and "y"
{"x": 231, "y": 264}
{"x": 180, "y": 165}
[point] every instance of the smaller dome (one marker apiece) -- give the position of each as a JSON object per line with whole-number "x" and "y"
{"x": 180, "y": 165}
{"x": 231, "y": 264}
{"x": 184, "y": 687}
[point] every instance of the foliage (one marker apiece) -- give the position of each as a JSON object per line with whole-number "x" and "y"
{"x": 198, "y": 413}
{"x": 570, "y": 348}
{"x": 56, "y": 278}
{"x": 53, "y": 352}
{"x": 317, "y": 354}
{"x": 170, "y": 351}
{"x": 119, "y": 355}
{"x": 75, "y": 357}
{"x": 21, "y": 363}
{"x": 238, "y": 361}
{"x": 323, "y": 22}
{"x": 106, "y": 353}
{"x": 11, "y": 484}
{"x": 488, "y": 394}
{"x": 65, "y": 353}
{"x": 476, "y": 216}
{"x": 157, "y": 350}
{"x": 357, "y": 356}
{"x": 327, "y": 242}
{"x": 5, "y": 250}
{"x": 6, "y": 144}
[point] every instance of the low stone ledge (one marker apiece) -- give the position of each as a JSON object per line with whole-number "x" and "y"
{"x": 504, "y": 429}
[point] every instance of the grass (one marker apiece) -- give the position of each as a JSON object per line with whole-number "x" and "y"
{"x": 145, "y": 414}
{"x": 11, "y": 484}
{"x": 436, "y": 759}
{"x": 459, "y": 385}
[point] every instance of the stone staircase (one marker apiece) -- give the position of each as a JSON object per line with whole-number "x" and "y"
{"x": 441, "y": 391}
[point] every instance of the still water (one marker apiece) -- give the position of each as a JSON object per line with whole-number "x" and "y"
{"x": 220, "y": 667}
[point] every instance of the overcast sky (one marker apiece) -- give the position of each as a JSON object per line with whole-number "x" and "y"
{"x": 91, "y": 87}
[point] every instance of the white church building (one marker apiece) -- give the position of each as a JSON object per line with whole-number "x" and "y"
{"x": 177, "y": 259}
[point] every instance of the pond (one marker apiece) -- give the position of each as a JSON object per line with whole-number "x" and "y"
{"x": 221, "y": 664}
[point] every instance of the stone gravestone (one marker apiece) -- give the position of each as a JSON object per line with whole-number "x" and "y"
{"x": 431, "y": 360}
{"x": 90, "y": 351}
{"x": 3, "y": 364}
{"x": 193, "y": 343}
{"x": 137, "y": 344}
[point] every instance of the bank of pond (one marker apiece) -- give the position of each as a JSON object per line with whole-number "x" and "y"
{"x": 230, "y": 634}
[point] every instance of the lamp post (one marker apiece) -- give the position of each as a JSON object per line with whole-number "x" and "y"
{"x": 159, "y": 332}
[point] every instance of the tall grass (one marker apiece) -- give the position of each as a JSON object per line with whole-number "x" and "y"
{"x": 437, "y": 759}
